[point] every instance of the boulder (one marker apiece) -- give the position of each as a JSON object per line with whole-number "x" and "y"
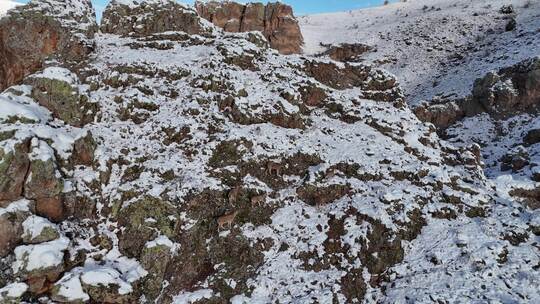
{"x": 511, "y": 90}
{"x": 440, "y": 115}
{"x": 275, "y": 20}
{"x": 14, "y": 166}
{"x": 142, "y": 18}
{"x": 31, "y": 33}
{"x": 38, "y": 230}
{"x": 41, "y": 264}
{"x": 346, "y": 52}
{"x": 11, "y": 225}
{"x": 44, "y": 183}
{"x": 57, "y": 90}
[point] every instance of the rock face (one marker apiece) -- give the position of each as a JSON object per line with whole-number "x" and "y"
{"x": 275, "y": 20}
{"x": 508, "y": 92}
{"x": 141, "y": 18}
{"x": 31, "y": 33}
{"x": 346, "y": 52}
{"x": 511, "y": 90}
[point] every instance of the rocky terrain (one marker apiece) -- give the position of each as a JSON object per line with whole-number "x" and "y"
{"x": 157, "y": 158}
{"x": 275, "y": 21}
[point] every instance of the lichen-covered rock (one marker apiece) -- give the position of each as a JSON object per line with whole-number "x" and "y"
{"x": 13, "y": 293}
{"x": 145, "y": 17}
{"x": 41, "y": 264}
{"x": 155, "y": 258}
{"x": 275, "y": 20}
{"x": 31, "y": 33}
{"x": 12, "y": 218}
{"x": 38, "y": 230}
{"x": 143, "y": 221}
{"x": 44, "y": 183}
{"x": 14, "y": 164}
{"x": 57, "y": 90}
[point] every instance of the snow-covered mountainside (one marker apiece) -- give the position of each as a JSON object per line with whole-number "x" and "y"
{"x": 436, "y": 48}
{"x": 6, "y": 5}
{"x": 173, "y": 162}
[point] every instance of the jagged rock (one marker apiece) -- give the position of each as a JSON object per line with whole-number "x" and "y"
{"x": 515, "y": 160}
{"x": 11, "y": 225}
{"x": 144, "y": 220}
{"x": 154, "y": 259}
{"x": 57, "y": 90}
{"x": 44, "y": 183}
{"x": 13, "y": 293}
{"x": 38, "y": 230}
{"x": 511, "y": 90}
{"x": 532, "y": 137}
{"x": 31, "y": 33}
{"x": 41, "y": 264}
{"x": 275, "y": 20}
{"x": 142, "y": 18}
{"x": 441, "y": 115}
{"x": 14, "y": 166}
{"x": 83, "y": 150}
{"x": 346, "y": 52}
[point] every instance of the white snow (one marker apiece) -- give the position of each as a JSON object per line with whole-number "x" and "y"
{"x": 34, "y": 225}
{"x": 191, "y": 297}
{"x": 70, "y": 288}
{"x": 17, "y": 206}
{"x": 419, "y": 41}
{"x": 106, "y": 276}
{"x": 6, "y": 5}
{"x": 40, "y": 256}
{"x": 13, "y": 291}
{"x": 58, "y": 73}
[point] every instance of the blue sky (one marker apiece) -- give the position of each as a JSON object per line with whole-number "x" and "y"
{"x": 301, "y": 7}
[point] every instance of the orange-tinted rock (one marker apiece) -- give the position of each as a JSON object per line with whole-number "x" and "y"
{"x": 51, "y": 208}
{"x": 31, "y": 33}
{"x": 275, "y": 20}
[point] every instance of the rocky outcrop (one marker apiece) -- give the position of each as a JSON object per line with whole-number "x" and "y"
{"x": 346, "y": 52}
{"x": 31, "y": 33}
{"x": 275, "y": 20}
{"x": 440, "y": 115}
{"x": 57, "y": 90}
{"x": 511, "y": 90}
{"x": 142, "y": 18}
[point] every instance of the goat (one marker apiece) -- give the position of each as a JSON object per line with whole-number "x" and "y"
{"x": 274, "y": 168}
{"x": 258, "y": 200}
{"x": 234, "y": 193}
{"x": 226, "y": 219}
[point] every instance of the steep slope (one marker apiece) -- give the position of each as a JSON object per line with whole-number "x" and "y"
{"x": 208, "y": 168}
{"x": 435, "y": 48}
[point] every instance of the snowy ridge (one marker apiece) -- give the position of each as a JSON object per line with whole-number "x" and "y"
{"x": 435, "y": 48}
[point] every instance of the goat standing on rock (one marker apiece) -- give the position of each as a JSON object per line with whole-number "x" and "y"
{"x": 226, "y": 219}
{"x": 273, "y": 168}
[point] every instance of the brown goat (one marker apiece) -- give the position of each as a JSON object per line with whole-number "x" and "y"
{"x": 234, "y": 194}
{"x": 226, "y": 219}
{"x": 273, "y": 168}
{"x": 258, "y": 200}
